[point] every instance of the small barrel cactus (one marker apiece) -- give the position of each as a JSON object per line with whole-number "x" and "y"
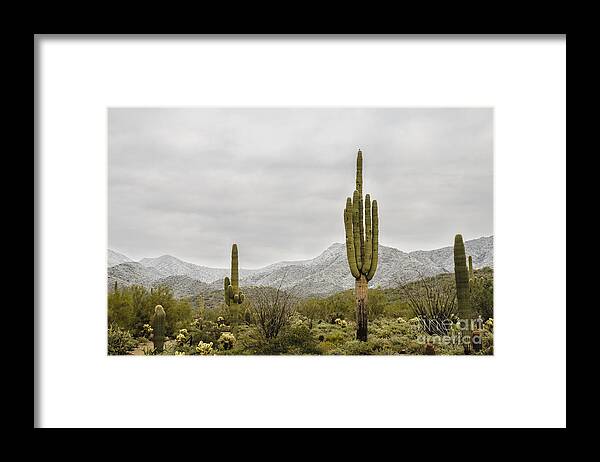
{"x": 158, "y": 327}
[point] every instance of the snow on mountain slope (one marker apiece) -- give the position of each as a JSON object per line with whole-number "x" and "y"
{"x": 325, "y": 274}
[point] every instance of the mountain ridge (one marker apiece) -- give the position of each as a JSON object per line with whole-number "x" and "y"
{"x": 325, "y": 274}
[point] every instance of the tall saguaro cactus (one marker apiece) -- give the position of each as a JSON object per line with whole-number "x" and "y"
{"x": 158, "y": 327}
{"x": 231, "y": 287}
{"x": 461, "y": 275}
{"x": 362, "y": 245}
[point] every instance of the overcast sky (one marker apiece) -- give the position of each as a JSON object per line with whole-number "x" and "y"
{"x": 189, "y": 182}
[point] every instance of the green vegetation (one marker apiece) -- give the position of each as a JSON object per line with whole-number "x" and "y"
{"x": 274, "y": 322}
{"x": 120, "y": 341}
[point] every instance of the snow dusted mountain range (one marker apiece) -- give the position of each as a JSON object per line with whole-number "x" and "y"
{"x": 326, "y": 274}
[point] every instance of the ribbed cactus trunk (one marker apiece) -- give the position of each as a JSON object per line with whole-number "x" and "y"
{"x": 361, "y": 291}
{"x": 232, "y": 287}
{"x": 158, "y": 326}
{"x": 470, "y": 268}
{"x": 362, "y": 245}
{"x": 461, "y": 275}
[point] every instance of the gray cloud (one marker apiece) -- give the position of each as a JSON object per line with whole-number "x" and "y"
{"x": 189, "y": 182}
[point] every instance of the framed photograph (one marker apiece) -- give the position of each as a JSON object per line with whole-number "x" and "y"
{"x": 274, "y": 267}
{"x": 291, "y": 220}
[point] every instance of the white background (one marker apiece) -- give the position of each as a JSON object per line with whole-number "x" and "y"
{"x": 522, "y": 385}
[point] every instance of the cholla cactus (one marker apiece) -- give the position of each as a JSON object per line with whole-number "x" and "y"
{"x": 401, "y": 320}
{"x": 362, "y": 245}
{"x": 232, "y": 291}
{"x": 205, "y": 349}
{"x": 147, "y": 330}
{"x": 180, "y": 353}
{"x": 414, "y": 321}
{"x": 182, "y": 336}
{"x": 341, "y": 322}
{"x": 227, "y": 340}
{"x": 158, "y": 321}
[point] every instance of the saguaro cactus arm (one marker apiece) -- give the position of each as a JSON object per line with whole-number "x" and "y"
{"x": 350, "y": 250}
{"x": 356, "y": 229}
{"x": 359, "y": 188}
{"x": 226, "y": 285}
{"x": 375, "y": 238}
{"x": 368, "y": 247}
{"x": 470, "y": 267}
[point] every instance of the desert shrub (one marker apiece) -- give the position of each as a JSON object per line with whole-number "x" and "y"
{"x": 271, "y": 309}
{"x": 482, "y": 293}
{"x": 120, "y": 341}
{"x": 298, "y": 340}
{"x": 206, "y": 331}
{"x": 356, "y": 347}
{"x": 313, "y": 309}
{"x": 292, "y": 340}
{"x": 326, "y": 347}
{"x": 132, "y": 307}
{"x": 376, "y": 303}
{"x": 341, "y": 305}
{"x": 380, "y": 345}
{"x": 396, "y": 309}
{"x": 136, "y": 298}
{"x": 336, "y": 337}
{"x": 120, "y": 312}
{"x": 433, "y": 302}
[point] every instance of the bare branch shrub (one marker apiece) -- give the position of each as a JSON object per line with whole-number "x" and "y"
{"x": 433, "y": 301}
{"x": 272, "y": 308}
